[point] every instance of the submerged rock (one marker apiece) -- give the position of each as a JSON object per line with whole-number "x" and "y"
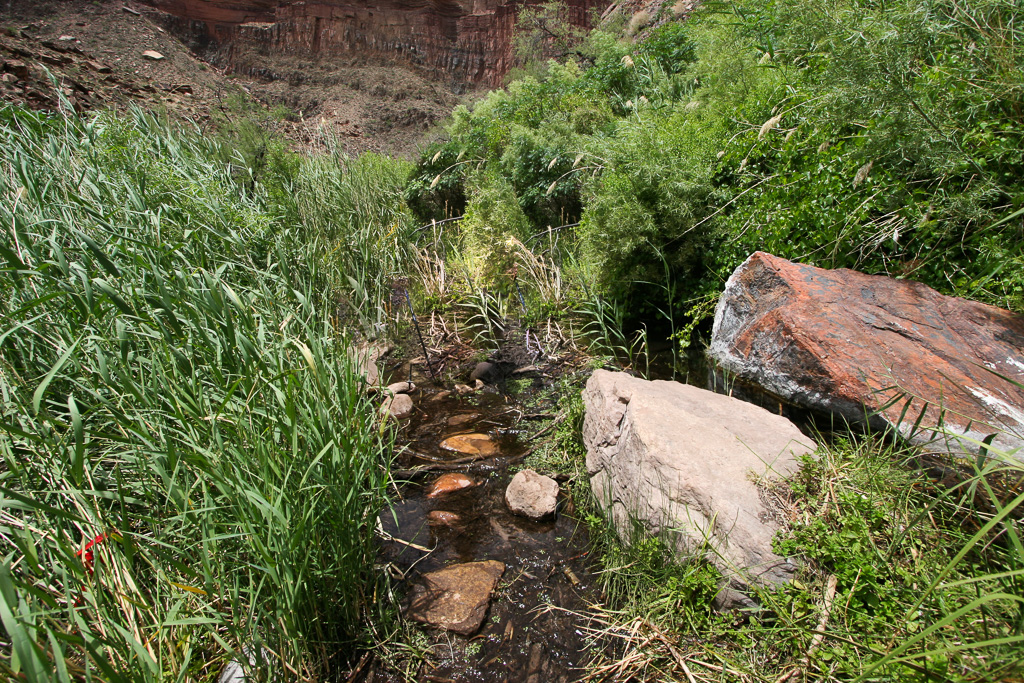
{"x": 443, "y": 518}
{"x": 470, "y": 444}
{"x": 449, "y": 483}
{"x": 854, "y": 345}
{"x": 456, "y": 598}
{"x": 684, "y": 461}
{"x": 532, "y": 495}
{"x": 459, "y": 420}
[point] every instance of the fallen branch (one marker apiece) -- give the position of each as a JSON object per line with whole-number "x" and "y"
{"x": 674, "y": 652}
{"x": 819, "y": 635}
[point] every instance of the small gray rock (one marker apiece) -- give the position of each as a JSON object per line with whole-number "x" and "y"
{"x": 532, "y": 495}
{"x": 402, "y": 388}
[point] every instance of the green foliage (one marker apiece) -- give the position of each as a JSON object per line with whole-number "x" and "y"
{"x": 545, "y": 31}
{"x": 190, "y": 466}
{"x": 651, "y": 201}
{"x": 888, "y": 91}
{"x": 493, "y": 225}
{"x": 356, "y": 205}
{"x": 645, "y": 578}
{"x": 908, "y": 564}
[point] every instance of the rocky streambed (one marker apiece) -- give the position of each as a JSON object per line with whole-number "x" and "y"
{"x": 502, "y": 581}
{"x": 501, "y": 594}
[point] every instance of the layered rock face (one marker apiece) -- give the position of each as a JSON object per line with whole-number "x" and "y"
{"x": 863, "y": 347}
{"x": 465, "y": 41}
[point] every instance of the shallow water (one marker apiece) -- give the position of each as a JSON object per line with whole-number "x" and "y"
{"x": 533, "y": 630}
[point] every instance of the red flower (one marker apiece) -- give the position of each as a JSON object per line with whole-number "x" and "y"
{"x": 86, "y": 552}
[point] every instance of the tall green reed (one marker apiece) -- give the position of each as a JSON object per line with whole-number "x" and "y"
{"x": 190, "y": 469}
{"x": 357, "y": 206}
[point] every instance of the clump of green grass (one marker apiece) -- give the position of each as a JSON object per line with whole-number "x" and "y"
{"x": 357, "y": 206}
{"x": 190, "y": 469}
{"x": 902, "y": 579}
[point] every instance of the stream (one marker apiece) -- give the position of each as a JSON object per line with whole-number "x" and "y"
{"x": 533, "y": 628}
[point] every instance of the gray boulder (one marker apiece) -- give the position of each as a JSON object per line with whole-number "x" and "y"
{"x": 532, "y": 495}
{"x": 684, "y": 461}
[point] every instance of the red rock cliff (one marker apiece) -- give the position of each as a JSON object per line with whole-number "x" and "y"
{"x": 467, "y": 41}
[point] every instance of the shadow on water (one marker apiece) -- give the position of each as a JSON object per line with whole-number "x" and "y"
{"x": 533, "y": 630}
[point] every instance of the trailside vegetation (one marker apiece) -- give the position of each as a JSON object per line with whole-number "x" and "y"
{"x": 884, "y": 137}
{"x": 641, "y": 169}
{"x": 191, "y": 469}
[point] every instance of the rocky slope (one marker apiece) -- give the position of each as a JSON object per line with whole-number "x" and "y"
{"x": 458, "y": 41}
{"x": 94, "y": 52}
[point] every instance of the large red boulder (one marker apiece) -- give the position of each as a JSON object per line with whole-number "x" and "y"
{"x": 861, "y": 346}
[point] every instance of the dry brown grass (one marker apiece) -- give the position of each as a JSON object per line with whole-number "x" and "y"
{"x": 637, "y": 22}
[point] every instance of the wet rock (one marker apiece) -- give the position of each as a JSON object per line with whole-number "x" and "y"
{"x": 538, "y": 666}
{"x": 399, "y": 406}
{"x": 838, "y": 341}
{"x": 470, "y": 444}
{"x": 532, "y": 495}
{"x": 401, "y": 388}
{"x": 443, "y": 518}
{"x": 680, "y": 459}
{"x": 456, "y": 598}
{"x": 450, "y": 483}
{"x": 483, "y": 371}
{"x": 152, "y": 55}
{"x": 459, "y": 420}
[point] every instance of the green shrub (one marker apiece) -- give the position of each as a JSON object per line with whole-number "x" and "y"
{"x": 492, "y": 226}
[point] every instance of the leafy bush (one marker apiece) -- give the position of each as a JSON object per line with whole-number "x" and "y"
{"x": 493, "y": 225}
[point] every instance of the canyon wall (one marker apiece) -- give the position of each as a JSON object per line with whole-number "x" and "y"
{"x": 462, "y": 41}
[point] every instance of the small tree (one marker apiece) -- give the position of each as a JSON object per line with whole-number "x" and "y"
{"x": 545, "y": 31}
